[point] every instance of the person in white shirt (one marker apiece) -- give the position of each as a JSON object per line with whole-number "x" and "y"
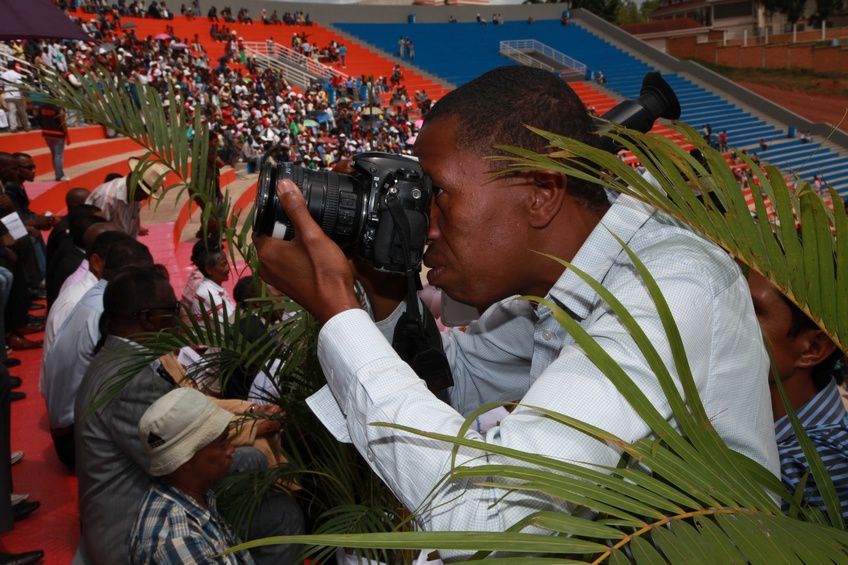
{"x": 120, "y": 204}
{"x": 11, "y": 81}
{"x": 75, "y": 344}
{"x": 81, "y": 280}
{"x": 203, "y": 294}
{"x": 482, "y": 234}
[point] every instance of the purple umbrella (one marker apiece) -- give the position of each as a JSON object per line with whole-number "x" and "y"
{"x": 26, "y": 19}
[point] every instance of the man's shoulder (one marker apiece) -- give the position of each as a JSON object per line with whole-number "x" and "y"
{"x": 667, "y": 246}
{"x": 116, "y": 362}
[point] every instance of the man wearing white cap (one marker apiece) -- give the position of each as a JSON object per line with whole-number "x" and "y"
{"x": 185, "y": 436}
{"x": 121, "y": 204}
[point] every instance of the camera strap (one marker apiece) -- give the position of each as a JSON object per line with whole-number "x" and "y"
{"x": 417, "y": 339}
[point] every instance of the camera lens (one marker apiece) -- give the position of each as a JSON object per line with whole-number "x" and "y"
{"x": 331, "y": 198}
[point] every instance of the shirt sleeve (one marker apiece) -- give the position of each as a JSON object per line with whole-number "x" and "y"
{"x": 371, "y": 384}
{"x": 489, "y": 360}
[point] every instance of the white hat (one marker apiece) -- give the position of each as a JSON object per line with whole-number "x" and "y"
{"x": 150, "y": 180}
{"x": 177, "y": 426}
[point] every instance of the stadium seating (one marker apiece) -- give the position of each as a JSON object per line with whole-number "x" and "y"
{"x": 459, "y": 52}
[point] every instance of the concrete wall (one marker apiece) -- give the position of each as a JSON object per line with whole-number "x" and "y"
{"x": 682, "y": 47}
{"x": 809, "y": 56}
{"x": 371, "y": 13}
{"x": 706, "y": 52}
{"x": 659, "y": 44}
{"x": 728, "y": 56}
{"x": 775, "y": 57}
{"x": 711, "y": 80}
{"x": 800, "y": 57}
{"x": 830, "y": 59}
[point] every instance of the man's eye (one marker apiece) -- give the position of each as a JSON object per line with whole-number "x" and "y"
{"x": 438, "y": 191}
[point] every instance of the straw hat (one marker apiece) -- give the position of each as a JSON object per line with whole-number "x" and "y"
{"x": 150, "y": 180}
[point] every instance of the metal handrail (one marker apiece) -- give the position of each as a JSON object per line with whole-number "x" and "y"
{"x": 512, "y": 47}
{"x": 289, "y": 55}
{"x": 524, "y": 58}
{"x": 294, "y": 74}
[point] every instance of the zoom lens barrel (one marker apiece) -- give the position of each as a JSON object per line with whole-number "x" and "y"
{"x": 331, "y": 198}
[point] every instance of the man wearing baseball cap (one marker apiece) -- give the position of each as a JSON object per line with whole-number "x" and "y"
{"x": 184, "y": 434}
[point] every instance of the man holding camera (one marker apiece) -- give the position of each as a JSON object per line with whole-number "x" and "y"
{"x": 482, "y": 236}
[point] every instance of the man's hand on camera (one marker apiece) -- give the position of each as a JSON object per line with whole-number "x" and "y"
{"x": 311, "y": 269}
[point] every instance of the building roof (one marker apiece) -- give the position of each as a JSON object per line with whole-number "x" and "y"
{"x": 660, "y": 26}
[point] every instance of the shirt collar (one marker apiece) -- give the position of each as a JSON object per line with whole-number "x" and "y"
{"x": 598, "y": 253}
{"x": 185, "y": 500}
{"x": 824, "y": 409}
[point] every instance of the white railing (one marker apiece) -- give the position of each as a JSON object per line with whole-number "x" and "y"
{"x": 279, "y": 53}
{"x": 517, "y": 49}
{"x": 293, "y": 74}
{"x": 524, "y": 58}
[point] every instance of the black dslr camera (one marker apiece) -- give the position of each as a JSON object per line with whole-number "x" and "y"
{"x": 380, "y": 211}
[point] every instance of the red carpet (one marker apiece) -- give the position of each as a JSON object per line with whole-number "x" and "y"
{"x": 54, "y": 527}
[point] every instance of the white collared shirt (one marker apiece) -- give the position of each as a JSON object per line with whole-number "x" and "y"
{"x": 518, "y": 352}
{"x": 72, "y": 291}
{"x": 113, "y": 200}
{"x": 67, "y": 361}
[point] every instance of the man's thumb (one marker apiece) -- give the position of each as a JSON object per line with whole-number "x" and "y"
{"x": 294, "y": 205}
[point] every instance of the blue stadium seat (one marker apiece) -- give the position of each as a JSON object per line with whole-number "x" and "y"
{"x": 459, "y": 52}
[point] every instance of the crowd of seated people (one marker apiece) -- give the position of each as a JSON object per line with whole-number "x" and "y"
{"x": 109, "y": 291}
{"x": 244, "y": 103}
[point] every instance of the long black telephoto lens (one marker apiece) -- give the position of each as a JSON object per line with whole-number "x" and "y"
{"x": 656, "y": 100}
{"x": 331, "y": 199}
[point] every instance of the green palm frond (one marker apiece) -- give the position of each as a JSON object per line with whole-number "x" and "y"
{"x": 138, "y": 112}
{"x": 808, "y": 269}
{"x": 682, "y": 496}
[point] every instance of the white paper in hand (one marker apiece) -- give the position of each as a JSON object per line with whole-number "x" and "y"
{"x": 15, "y": 225}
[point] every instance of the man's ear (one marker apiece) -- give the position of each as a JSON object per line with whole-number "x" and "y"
{"x": 547, "y": 192}
{"x": 96, "y": 265}
{"x": 818, "y": 348}
{"x": 146, "y": 322}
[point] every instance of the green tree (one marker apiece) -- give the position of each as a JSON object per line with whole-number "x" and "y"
{"x": 628, "y": 13}
{"x": 606, "y": 9}
{"x": 793, "y": 9}
{"x": 825, "y": 9}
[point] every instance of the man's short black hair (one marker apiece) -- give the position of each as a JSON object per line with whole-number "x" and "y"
{"x": 75, "y": 197}
{"x": 205, "y": 253}
{"x": 247, "y": 287}
{"x": 112, "y": 176}
{"x": 495, "y": 108}
{"x": 105, "y": 241}
{"x": 132, "y": 290}
{"x": 125, "y": 253}
{"x": 80, "y": 219}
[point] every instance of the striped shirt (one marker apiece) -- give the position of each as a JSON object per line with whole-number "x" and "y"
{"x": 171, "y": 527}
{"x": 826, "y": 422}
